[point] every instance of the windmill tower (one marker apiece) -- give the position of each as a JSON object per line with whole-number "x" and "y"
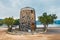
{"x": 27, "y": 19}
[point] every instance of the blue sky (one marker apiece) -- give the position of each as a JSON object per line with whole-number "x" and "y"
{"x": 9, "y": 8}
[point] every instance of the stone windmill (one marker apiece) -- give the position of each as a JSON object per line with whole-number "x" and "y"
{"x": 27, "y": 19}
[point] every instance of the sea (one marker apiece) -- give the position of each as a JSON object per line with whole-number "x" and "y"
{"x": 55, "y": 24}
{"x": 38, "y": 24}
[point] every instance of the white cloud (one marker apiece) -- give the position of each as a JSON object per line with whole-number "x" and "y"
{"x": 7, "y": 11}
{"x": 54, "y": 10}
{"x": 11, "y": 11}
{"x": 16, "y": 5}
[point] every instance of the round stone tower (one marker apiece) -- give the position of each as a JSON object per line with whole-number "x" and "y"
{"x": 27, "y": 19}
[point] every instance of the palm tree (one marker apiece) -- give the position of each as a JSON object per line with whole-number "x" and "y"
{"x": 47, "y": 19}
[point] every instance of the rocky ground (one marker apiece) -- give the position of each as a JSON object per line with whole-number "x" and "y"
{"x": 39, "y": 36}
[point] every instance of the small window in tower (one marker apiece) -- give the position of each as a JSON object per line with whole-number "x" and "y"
{"x": 22, "y": 23}
{"x": 32, "y": 23}
{"x": 23, "y": 16}
{"x": 32, "y": 18}
{"x": 31, "y": 11}
{"x": 26, "y": 12}
{"x": 23, "y": 10}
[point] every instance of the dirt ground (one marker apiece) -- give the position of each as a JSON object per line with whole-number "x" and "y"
{"x": 6, "y": 36}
